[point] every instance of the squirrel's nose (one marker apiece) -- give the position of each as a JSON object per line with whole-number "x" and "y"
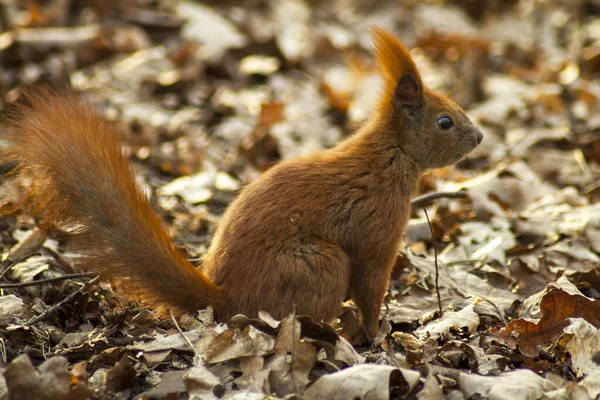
{"x": 478, "y": 136}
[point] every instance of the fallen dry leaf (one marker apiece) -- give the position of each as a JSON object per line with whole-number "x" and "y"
{"x": 201, "y": 383}
{"x": 367, "y": 381}
{"x": 517, "y": 385}
{"x": 580, "y": 339}
{"x": 557, "y": 306}
{"x": 11, "y": 307}
{"x": 465, "y": 319}
{"x": 120, "y": 376}
{"x": 51, "y": 381}
{"x": 293, "y": 359}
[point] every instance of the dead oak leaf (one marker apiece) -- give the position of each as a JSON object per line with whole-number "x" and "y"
{"x": 580, "y": 340}
{"x": 365, "y": 381}
{"x": 557, "y": 306}
{"x": 293, "y": 360}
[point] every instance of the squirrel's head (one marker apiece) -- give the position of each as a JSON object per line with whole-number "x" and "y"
{"x": 429, "y": 127}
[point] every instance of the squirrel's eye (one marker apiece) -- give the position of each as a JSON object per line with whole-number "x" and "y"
{"x": 445, "y": 123}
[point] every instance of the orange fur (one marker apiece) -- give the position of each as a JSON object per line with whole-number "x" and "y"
{"x": 394, "y": 61}
{"x": 83, "y": 184}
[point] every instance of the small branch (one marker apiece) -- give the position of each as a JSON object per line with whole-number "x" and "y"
{"x": 44, "y": 281}
{"x": 423, "y": 200}
{"x": 46, "y": 314}
{"x": 437, "y": 271}
{"x": 187, "y": 341}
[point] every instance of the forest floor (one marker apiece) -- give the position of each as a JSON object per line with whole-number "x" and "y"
{"x": 209, "y": 95}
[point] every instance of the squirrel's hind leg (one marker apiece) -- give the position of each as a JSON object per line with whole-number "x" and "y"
{"x": 312, "y": 276}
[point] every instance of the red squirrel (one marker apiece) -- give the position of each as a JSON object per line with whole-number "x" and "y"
{"x": 305, "y": 235}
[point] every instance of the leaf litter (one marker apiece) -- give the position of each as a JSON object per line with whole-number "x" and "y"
{"x": 209, "y": 95}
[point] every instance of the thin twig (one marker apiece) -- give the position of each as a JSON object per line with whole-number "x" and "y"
{"x": 186, "y": 340}
{"x": 437, "y": 271}
{"x": 46, "y": 314}
{"x": 424, "y": 200}
{"x": 461, "y": 262}
{"x": 44, "y": 281}
{"x": 20, "y": 260}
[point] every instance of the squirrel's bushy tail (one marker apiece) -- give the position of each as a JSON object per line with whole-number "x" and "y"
{"x": 82, "y": 184}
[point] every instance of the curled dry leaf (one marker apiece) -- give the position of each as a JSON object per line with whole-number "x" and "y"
{"x": 193, "y": 189}
{"x": 415, "y": 351}
{"x": 345, "y": 353}
{"x": 293, "y": 360}
{"x": 580, "y": 340}
{"x": 367, "y": 381}
{"x": 514, "y": 385}
{"x": 432, "y": 389}
{"x": 463, "y": 319}
{"x": 51, "y": 381}
{"x": 233, "y": 343}
{"x": 171, "y": 383}
{"x": 587, "y": 389}
{"x": 254, "y": 376}
{"x": 11, "y": 307}
{"x": 120, "y": 376}
{"x": 485, "y": 364}
{"x": 557, "y": 307}
{"x": 202, "y": 384}
{"x": 169, "y": 342}
{"x": 29, "y": 269}
{"x": 28, "y": 244}
{"x": 459, "y": 279}
{"x": 415, "y": 305}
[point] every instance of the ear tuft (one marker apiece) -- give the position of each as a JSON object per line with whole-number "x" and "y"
{"x": 400, "y": 74}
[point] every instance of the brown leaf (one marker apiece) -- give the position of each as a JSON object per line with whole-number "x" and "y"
{"x": 50, "y": 381}
{"x": 171, "y": 384}
{"x": 200, "y": 382}
{"x": 293, "y": 360}
{"x": 557, "y": 306}
{"x": 519, "y": 384}
{"x": 120, "y": 376}
{"x": 232, "y": 344}
{"x": 580, "y": 340}
{"x": 254, "y": 375}
{"x": 366, "y": 381}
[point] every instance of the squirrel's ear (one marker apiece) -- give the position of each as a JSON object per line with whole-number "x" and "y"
{"x": 408, "y": 92}
{"x": 402, "y": 81}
